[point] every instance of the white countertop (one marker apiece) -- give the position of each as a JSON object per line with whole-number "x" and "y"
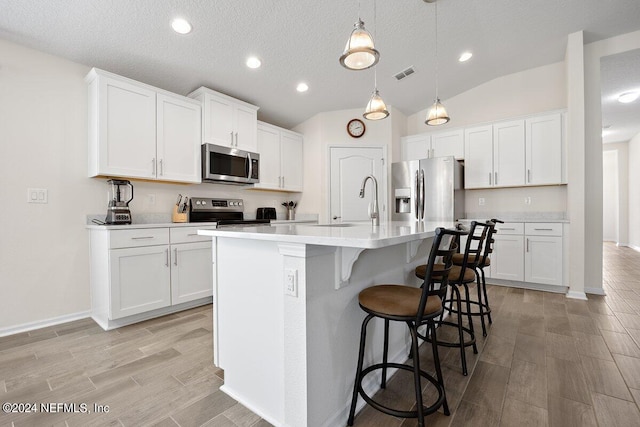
{"x": 152, "y": 225}
{"x": 357, "y": 235}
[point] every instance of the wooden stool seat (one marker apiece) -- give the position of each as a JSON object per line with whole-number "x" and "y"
{"x": 397, "y": 300}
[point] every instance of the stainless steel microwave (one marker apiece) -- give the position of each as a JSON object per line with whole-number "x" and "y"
{"x": 229, "y": 165}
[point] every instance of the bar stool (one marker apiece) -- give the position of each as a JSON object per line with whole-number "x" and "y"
{"x": 415, "y": 307}
{"x": 459, "y": 276}
{"x": 484, "y": 308}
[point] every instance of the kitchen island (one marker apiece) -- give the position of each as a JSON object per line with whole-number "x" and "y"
{"x": 286, "y": 314}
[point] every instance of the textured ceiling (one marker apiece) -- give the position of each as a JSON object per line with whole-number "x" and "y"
{"x": 301, "y": 40}
{"x": 619, "y": 74}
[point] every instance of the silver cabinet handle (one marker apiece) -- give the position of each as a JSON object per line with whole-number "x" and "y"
{"x": 280, "y": 181}
{"x": 175, "y": 256}
{"x": 142, "y": 238}
{"x": 231, "y": 133}
{"x": 236, "y": 139}
{"x": 166, "y": 263}
{"x": 543, "y": 229}
{"x": 496, "y": 180}
{"x": 161, "y": 167}
{"x": 504, "y": 228}
{"x": 529, "y": 176}
{"x": 153, "y": 162}
{"x": 283, "y": 182}
{"x": 527, "y": 244}
{"x": 490, "y": 176}
{"x": 192, "y": 234}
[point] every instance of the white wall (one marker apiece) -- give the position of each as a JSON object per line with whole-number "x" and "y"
{"x": 44, "y": 261}
{"x": 621, "y": 150}
{"x": 329, "y": 129}
{"x": 610, "y": 197}
{"x": 527, "y": 92}
{"x": 592, "y": 177}
{"x": 634, "y": 192}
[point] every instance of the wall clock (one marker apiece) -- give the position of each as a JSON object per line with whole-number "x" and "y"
{"x": 355, "y": 128}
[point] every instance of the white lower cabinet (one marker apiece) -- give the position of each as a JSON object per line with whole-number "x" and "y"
{"x": 528, "y": 252}
{"x": 139, "y": 280}
{"x": 543, "y": 254}
{"x": 191, "y": 271}
{"x": 507, "y": 260}
{"x": 139, "y": 273}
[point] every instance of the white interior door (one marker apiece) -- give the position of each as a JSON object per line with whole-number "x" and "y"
{"x": 349, "y": 166}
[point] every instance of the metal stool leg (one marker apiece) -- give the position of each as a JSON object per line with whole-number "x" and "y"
{"x": 413, "y": 329}
{"x": 463, "y": 356}
{"x": 480, "y": 303}
{"x": 486, "y": 299}
{"x": 385, "y": 352}
{"x": 356, "y": 386}
{"x": 470, "y": 317}
{"x": 436, "y": 362}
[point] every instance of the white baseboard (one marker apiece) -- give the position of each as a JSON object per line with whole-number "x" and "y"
{"x": 634, "y": 247}
{"x": 595, "y": 291}
{"x": 25, "y": 327}
{"x": 577, "y": 295}
{"x": 624, "y": 245}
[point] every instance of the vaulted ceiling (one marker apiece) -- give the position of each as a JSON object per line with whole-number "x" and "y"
{"x": 301, "y": 41}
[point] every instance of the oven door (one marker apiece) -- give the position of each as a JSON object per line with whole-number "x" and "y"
{"x": 230, "y": 165}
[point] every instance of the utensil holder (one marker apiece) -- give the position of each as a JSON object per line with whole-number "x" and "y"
{"x": 179, "y": 217}
{"x": 291, "y": 214}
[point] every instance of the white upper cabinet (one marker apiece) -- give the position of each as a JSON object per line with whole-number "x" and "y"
{"x": 478, "y": 163}
{"x": 544, "y": 150}
{"x": 508, "y": 154}
{"x": 415, "y": 147}
{"x": 428, "y": 145}
{"x": 516, "y": 153}
{"x": 280, "y": 158}
{"x": 450, "y": 143}
{"x": 138, "y": 131}
{"x": 178, "y": 139}
{"x": 291, "y": 160}
{"x": 227, "y": 121}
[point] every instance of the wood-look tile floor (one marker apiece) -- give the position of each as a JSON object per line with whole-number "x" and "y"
{"x": 547, "y": 361}
{"x": 155, "y": 373}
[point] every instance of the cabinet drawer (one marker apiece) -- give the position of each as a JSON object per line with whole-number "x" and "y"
{"x": 138, "y": 237}
{"x": 189, "y": 234}
{"x": 510, "y": 228}
{"x": 543, "y": 229}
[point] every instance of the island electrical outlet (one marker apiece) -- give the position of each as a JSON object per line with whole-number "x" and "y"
{"x": 291, "y": 282}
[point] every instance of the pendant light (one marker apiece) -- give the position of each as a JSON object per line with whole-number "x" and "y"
{"x": 376, "y": 108}
{"x": 437, "y": 114}
{"x": 359, "y": 53}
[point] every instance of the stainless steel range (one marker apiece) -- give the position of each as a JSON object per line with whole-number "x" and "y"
{"x": 225, "y": 212}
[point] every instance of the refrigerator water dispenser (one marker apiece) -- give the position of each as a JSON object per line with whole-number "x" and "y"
{"x": 403, "y": 200}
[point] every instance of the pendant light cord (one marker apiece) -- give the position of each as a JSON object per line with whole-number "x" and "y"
{"x": 375, "y": 29}
{"x": 436, "y": 49}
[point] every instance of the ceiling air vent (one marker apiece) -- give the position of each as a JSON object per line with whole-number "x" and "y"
{"x": 405, "y": 73}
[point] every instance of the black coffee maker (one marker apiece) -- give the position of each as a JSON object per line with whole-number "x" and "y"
{"x": 120, "y": 194}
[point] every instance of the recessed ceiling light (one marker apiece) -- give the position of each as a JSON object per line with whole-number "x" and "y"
{"x": 302, "y": 87}
{"x": 253, "y": 62}
{"x": 465, "y": 56}
{"x": 628, "y": 97}
{"x": 181, "y": 26}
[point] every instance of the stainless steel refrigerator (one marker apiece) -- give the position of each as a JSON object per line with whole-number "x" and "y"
{"x": 427, "y": 190}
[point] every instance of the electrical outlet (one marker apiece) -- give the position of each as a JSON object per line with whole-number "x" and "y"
{"x": 481, "y": 201}
{"x": 527, "y": 200}
{"x": 291, "y": 282}
{"x": 152, "y": 199}
{"x": 37, "y": 195}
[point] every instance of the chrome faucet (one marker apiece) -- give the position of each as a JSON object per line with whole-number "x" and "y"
{"x": 375, "y": 216}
